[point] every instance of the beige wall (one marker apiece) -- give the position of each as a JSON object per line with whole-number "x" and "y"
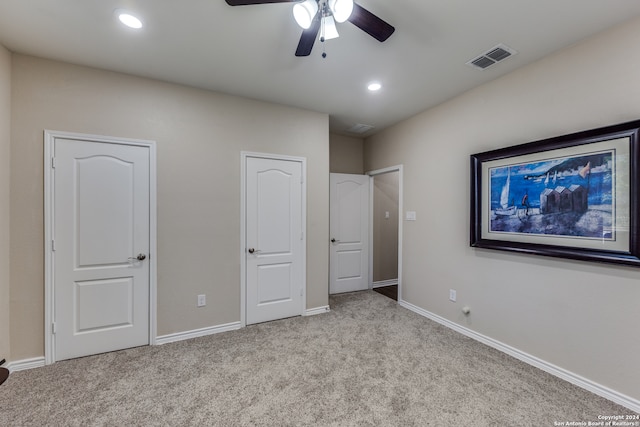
{"x": 579, "y": 316}
{"x": 345, "y": 154}
{"x": 385, "y": 230}
{"x": 5, "y": 138}
{"x": 199, "y": 137}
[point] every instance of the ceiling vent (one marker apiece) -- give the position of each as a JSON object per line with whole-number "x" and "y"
{"x": 359, "y": 128}
{"x": 492, "y": 56}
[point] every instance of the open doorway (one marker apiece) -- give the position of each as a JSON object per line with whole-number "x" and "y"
{"x": 386, "y": 231}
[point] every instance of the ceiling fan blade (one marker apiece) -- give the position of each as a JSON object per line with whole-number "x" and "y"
{"x": 308, "y": 37}
{"x": 249, "y": 2}
{"x": 370, "y": 23}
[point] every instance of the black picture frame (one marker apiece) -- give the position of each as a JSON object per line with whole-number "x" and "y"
{"x": 612, "y": 159}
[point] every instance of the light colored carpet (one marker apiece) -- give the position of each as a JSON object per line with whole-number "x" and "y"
{"x": 368, "y": 362}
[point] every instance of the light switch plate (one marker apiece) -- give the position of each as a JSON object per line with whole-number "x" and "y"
{"x": 410, "y": 216}
{"x": 202, "y": 300}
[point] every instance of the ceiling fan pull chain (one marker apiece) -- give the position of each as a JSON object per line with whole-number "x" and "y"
{"x": 322, "y": 39}
{"x": 322, "y": 33}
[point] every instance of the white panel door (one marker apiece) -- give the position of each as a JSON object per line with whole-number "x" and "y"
{"x": 274, "y": 239}
{"x": 101, "y": 247}
{"x": 349, "y": 229}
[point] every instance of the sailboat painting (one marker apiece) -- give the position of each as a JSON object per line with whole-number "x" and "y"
{"x": 572, "y": 196}
{"x": 566, "y": 196}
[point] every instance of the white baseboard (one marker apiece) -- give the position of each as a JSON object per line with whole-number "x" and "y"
{"x": 180, "y": 336}
{"x": 381, "y": 283}
{"x": 38, "y": 362}
{"x": 21, "y": 365}
{"x": 550, "y": 368}
{"x": 317, "y": 310}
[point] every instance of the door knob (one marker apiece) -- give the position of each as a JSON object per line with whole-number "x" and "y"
{"x": 252, "y": 250}
{"x": 334, "y": 240}
{"x": 140, "y": 257}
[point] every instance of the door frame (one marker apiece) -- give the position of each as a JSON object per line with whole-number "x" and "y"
{"x": 49, "y": 139}
{"x": 244, "y": 155}
{"x": 373, "y": 174}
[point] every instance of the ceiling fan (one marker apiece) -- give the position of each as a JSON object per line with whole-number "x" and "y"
{"x": 318, "y": 17}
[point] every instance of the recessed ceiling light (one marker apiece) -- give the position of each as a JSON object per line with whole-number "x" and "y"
{"x": 128, "y": 19}
{"x": 374, "y": 86}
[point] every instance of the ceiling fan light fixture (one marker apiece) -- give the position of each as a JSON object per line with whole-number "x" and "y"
{"x": 328, "y": 29}
{"x": 341, "y": 9}
{"x": 305, "y": 12}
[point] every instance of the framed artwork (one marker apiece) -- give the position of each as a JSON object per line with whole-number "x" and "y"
{"x": 573, "y": 196}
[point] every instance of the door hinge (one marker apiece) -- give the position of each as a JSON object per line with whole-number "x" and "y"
{"x": 302, "y": 235}
{"x": 53, "y": 245}
{"x": 53, "y": 162}
{"x": 301, "y": 292}
{"x": 53, "y": 327}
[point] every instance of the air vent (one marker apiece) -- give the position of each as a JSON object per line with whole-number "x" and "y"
{"x": 492, "y": 56}
{"x": 359, "y": 128}
{"x": 482, "y": 62}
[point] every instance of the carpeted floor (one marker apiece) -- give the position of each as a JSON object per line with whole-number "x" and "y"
{"x": 368, "y": 362}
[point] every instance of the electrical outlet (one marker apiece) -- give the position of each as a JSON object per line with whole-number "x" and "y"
{"x": 452, "y": 295}
{"x": 202, "y": 300}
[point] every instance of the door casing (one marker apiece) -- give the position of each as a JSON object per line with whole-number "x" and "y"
{"x": 243, "y": 226}
{"x": 49, "y": 140}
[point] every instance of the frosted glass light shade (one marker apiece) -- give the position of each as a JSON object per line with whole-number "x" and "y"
{"x": 305, "y": 12}
{"x": 328, "y": 28}
{"x": 341, "y": 9}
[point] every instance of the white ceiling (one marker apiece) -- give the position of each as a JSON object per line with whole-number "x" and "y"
{"x": 249, "y": 50}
